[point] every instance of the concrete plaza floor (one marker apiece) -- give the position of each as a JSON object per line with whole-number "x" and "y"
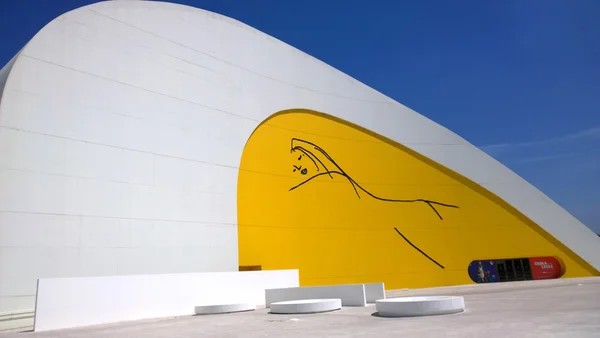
{"x": 558, "y": 308}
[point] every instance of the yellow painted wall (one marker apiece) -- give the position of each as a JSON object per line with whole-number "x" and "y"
{"x": 334, "y": 234}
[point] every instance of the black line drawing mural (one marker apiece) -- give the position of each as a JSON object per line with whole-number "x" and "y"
{"x": 417, "y": 248}
{"x": 318, "y": 168}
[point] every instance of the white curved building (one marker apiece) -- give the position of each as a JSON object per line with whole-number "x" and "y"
{"x": 127, "y": 130}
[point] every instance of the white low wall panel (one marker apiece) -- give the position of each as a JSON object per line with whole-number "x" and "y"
{"x": 374, "y": 292}
{"x": 74, "y": 302}
{"x": 350, "y": 294}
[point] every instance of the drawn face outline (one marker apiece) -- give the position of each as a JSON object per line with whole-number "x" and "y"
{"x": 295, "y": 147}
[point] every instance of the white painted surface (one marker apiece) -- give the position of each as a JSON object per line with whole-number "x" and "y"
{"x": 223, "y": 308}
{"x": 122, "y": 125}
{"x": 306, "y": 306}
{"x": 350, "y": 294}
{"x": 420, "y": 306}
{"x": 374, "y": 292}
{"x": 74, "y": 302}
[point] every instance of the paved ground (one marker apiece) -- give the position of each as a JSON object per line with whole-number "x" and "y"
{"x": 560, "y": 308}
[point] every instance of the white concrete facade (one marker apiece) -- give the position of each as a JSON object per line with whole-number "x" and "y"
{"x": 122, "y": 126}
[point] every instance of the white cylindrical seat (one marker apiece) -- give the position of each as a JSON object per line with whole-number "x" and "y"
{"x": 223, "y": 308}
{"x": 306, "y": 306}
{"x": 419, "y": 306}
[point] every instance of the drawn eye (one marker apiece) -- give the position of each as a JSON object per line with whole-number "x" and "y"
{"x": 304, "y": 171}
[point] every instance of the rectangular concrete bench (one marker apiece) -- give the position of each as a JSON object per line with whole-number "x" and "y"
{"x": 374, "y": 292}
{"x": 350, "y": 294}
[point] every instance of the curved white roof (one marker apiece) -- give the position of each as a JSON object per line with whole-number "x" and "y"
{"x": 146, "y": 82}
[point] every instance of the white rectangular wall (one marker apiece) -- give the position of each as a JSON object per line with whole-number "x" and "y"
{"x": 350, "y": 294}
{"x": 74, "y": 302}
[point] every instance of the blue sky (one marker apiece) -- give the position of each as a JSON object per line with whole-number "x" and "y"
{"x": 518, "y": 78}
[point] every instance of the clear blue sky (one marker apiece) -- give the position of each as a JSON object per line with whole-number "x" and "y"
{"x": 519, "y": 78}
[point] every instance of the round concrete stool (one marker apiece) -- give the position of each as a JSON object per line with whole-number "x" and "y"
{"x": 306, "y": 306}
{"x": 223, "y": 308}
{"x": 419, "y": 306}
